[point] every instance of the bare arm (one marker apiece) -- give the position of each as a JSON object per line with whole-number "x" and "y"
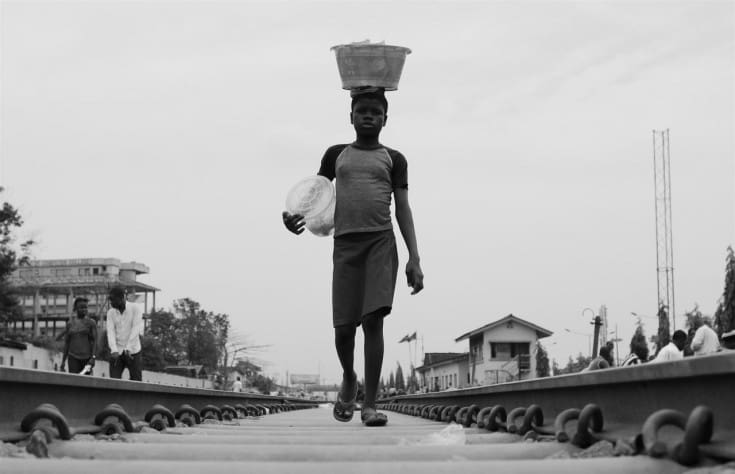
{"x": 404, "y": 216}
{"x": 93, "y": 340}
{"x": 66, "y": 346}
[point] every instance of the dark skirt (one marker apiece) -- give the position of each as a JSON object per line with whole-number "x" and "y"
{"x": 364, "y": 278}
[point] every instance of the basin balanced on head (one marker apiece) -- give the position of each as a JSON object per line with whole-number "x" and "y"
{"x": 368, "y": 176}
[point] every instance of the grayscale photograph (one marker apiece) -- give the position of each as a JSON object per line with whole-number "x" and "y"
{"x": 403, "y": 236}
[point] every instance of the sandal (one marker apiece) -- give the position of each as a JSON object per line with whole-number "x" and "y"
{"x": 344, "y": 410}
{"x": 374, "y": 418}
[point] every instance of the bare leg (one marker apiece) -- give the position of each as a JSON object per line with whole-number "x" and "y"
{"x": 344, "y": 341}
{"x": 372, "y": 327}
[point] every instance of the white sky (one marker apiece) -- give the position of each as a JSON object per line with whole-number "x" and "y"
{"x": 169, "y": 133}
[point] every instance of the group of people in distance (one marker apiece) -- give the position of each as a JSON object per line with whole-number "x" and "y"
{"x": 124, "y": 328}
{"x": 704, "y": 340}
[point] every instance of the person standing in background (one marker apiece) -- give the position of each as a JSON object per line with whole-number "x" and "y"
{"x": 80, "y": 339}
{"x": 705, "y": 339}
{"x": 124, "y": 328}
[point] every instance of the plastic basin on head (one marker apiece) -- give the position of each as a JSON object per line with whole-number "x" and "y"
{"x": 365, "y": 65}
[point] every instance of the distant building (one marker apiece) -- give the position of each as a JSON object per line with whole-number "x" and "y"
{"x": 48, "y": 288}
{"x": 247, "y": 368}
{"x": 503, "y": 351}
{"x": 444, "y": 370}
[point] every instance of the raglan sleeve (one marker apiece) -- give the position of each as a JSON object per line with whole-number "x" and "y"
{"x": 399, "y": 172}
{"x": 328, "y": 167}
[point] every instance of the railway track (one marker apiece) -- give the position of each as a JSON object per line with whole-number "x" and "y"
{"x": 671, "y": 417}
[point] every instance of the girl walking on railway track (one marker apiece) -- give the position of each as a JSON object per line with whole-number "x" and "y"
{"x": 365, "y": 257}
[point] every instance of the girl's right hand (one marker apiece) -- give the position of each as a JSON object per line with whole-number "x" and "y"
{"x": 294, "y": 222}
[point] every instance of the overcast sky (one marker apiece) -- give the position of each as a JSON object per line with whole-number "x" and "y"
{"x": 169, "y": 133}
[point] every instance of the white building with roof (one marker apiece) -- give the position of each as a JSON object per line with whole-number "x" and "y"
{"x": 503, "y": 351}
{"x": 443, "y": 371}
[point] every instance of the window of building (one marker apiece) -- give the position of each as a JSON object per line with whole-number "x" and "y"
{"x": 2, "y": 360}
{"x": 507, "y": 350}
{"x": 95, "y": 271}
{"x": 455, "y": 380}
{"x": 12, "y": 361}
{"x": 35, "y": 363}
{"x": 476, "y": 351}
{"x": 500, "y": 351}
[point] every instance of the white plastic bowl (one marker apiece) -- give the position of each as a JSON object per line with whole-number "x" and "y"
{"x": 314, "y": 198}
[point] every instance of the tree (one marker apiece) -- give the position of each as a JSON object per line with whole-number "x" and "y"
{"x": 152, "y": 353}
{"x": 201, "y": 333}
{"x": 663, "y": 336}
{"x": 400, "y": 381}
{"x": 221, "y": 323}
{"x": 391, "y": 381}
{"x": 555, "y": 367}
{"x": 725, "y": 314}
{"x": 412, "y": 384}
{"x": 638, "y": 344}
{"x": 164, "y": 330}
{"x": 10, "y": 259}
{"x": 576, "y": 365}
{"x": 262, "y": 383}
{"x": 542, "y": 361}
{"x": 161, "y": 344}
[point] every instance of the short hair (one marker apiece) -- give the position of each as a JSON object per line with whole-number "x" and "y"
{"x": 117, "y": 291}
{"x": 604, "y": 351}
{"x": 679, "y": 335}
{"x": 377, "y": 95}
{"x": 78, "y": 300}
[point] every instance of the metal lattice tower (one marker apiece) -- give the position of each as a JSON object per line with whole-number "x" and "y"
{"x": 664, "y": 242}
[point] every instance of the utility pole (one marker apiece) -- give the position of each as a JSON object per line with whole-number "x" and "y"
{"x": 597, "y": 322}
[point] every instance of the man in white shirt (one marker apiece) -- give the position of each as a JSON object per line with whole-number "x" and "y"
{"x": 237, "y": 385}
{"x": 124, "y": 328}
{"x": 674, "y": 349}
{"x": 705, "y": 339}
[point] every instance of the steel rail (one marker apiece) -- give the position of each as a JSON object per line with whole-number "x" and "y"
{"x": 626, "y": 394}
{"x": 79, "y": 398}
{"x": 693, "y": 395}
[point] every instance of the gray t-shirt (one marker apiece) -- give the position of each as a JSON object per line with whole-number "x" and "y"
{"x": 365, "y": 180}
